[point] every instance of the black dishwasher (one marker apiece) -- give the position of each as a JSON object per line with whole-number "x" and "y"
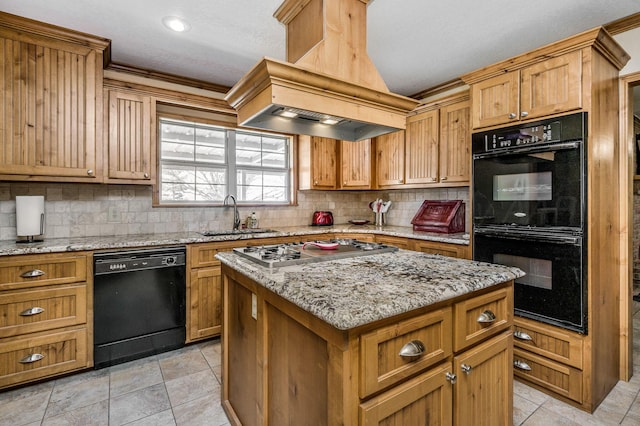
{"x": 139, "y": 303}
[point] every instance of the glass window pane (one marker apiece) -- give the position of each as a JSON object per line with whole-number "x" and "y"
{"x": 248, "y": 158}
{"x": 274, "y": 160}
{"x": 249, "y": 177}
{"x": 276, "y": 145}
{"x": 177, "y": 174}
{"x": 272, "y": 193}
{"x": 248, "y": 142}
{"x": 275, "y": 179}
{"x": 177, "y": 192}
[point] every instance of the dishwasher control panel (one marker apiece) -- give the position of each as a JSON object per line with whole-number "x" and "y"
{"x": 137, "y": 260}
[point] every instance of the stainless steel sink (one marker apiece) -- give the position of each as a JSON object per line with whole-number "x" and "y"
{"x": 236, "y": 232}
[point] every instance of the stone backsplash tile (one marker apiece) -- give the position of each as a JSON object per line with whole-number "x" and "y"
{"x": 80, "y": 210}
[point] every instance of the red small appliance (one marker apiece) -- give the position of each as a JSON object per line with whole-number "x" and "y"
{"x": 322, "y": 219}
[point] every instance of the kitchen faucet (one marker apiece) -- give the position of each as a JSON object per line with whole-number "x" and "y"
{"x": 236, "y": 215}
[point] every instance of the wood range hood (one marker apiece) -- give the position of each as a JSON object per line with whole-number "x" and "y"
{"x": 328, "y": 76}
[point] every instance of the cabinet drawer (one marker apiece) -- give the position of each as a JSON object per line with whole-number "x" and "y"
{"x": 399, "y": 242}
{"x": 483, "y": 316}
{"x": 444, "y": 249}
{"x": 38, "y": 270}
{"x": 44, "y": 309}
{"x": 554, "y": 376}
{"x": 548, "y": 341}
{"x": 201, "y": 255}
{"x": 423, "y": 400}
{"x": 380, "y": 363}
{"x": 51, "y": 354}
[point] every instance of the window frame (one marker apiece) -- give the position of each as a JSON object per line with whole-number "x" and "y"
{"x": 230, "y": 165}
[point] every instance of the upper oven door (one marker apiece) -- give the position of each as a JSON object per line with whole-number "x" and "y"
{"x": 541, "y": 186}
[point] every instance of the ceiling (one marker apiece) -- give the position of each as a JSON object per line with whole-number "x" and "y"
{"x": 415, "y": 44}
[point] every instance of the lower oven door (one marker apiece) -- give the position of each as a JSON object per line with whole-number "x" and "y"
{"x": 553, "y": 290}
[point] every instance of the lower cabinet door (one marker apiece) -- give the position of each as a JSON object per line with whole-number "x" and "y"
{"x": 555, "y": 376}
{"x": 423, "y": 400}
{"x": 483, "y": 394}
{"x": 205, "y": 303}
{"x": 36, "y": 356}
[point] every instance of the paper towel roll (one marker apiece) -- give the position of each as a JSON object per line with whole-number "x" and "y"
{"x": 29, "y": 215}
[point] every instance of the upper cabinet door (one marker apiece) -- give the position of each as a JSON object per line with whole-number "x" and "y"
{"x": 496, "y": 100}
{"x": 455, "y": 143}
{"x": 50, "y": 91}
{"x": 552, "y": 86}
{"x": 356, "y": 164}
{"x": 130, "y": 144}
{"x": 324, "y": 162}
{"x": 421, "y": 148}
{"x": 390, "y": 159}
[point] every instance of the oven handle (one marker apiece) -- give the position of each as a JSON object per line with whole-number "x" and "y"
{"x": 558, "y": 239}
{"x": 529, "y": 149}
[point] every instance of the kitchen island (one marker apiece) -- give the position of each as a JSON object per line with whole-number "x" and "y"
{"x": 320, "y": 343}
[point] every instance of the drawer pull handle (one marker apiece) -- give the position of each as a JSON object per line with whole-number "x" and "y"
{"x": 487, "y": 317}
{"x": 522, "y": 335}
{"x": 512, "y": 115}
{"x": 412, "y": 349}
{"x": 521, "y": 365}
{"x": 31, "y": 358}
{"x": 466, "y": 369}
{"x": 451, "y": 378}
{"x": 32, "y": 273}
{"x": 32, "y": 311}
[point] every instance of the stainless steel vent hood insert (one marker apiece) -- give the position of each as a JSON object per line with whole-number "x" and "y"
{"x": 332, "y": 90}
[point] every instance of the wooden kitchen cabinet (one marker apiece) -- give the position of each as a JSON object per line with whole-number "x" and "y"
{"x": 300, "y": 370}
{"x": 130, "y": 134}
{"x": 455, "y": 143}
{"x": 326, "y": 163}
{"x": 355, "y": 164}
{"x": 550, "y": 86}
{"x": 444, "y": 249}
{"x": 421, "y": 148}
{"x": 317, "y": 162}
{"x": 52, "y": 97}
{"x": 46, "y": 316}
{"x": 400, "y": 242}
{"x": 436, "y": 150}
{"x": 389, "y": 159}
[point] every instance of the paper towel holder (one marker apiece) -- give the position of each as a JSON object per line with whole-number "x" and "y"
{"x": 29, "y": 218}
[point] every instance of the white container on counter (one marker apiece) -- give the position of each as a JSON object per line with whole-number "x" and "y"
{"x": 30, "y": 218}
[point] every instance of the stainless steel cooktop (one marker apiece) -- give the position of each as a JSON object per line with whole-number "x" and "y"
{"x": 278, "y": 255}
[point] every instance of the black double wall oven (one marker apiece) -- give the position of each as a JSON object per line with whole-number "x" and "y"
{"x": 529, "y": 211}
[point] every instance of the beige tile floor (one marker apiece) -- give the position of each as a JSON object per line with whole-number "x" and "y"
{"x": 182, "y": 387}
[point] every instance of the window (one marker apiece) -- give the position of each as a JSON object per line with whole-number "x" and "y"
{"x": 201, "y": 163}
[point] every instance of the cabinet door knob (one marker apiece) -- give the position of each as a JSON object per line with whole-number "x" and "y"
{"x": 487, "y": 317}
{"x": 31, "y": 358}
{"x": 512, "y": 115}
{"x": 521, "y": 365}
{"x": 412, "y": 349}
{"x": 443, "y": 178}
{"x": 31, "y": 311}
{"x": 315, "y": 182}
{"x": 522, "y": 335}
{"x": 466, "y": 368}
{"x": 32, "y": 273}
{"x": 451, "y": 378}
{"x": 524, "y": 114}
{"x": 146, "y": 175}
{"x": 90, "y": 172}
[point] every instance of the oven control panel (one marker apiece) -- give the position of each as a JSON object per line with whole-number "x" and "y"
{"x": 555, "y": 130}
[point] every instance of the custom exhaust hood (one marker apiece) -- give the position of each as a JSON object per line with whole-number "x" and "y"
{"x": 329, "y": 87}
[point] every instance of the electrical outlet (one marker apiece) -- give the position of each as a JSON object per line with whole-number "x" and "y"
{"x": 114, "y": 214}
{"x": 254, "y": 306}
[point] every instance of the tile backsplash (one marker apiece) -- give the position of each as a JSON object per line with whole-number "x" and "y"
{"x": 84, "y": 210}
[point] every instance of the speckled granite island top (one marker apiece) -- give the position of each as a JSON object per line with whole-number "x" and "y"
{"x": 348, "y": 293}
{"x": 58, "y": 245}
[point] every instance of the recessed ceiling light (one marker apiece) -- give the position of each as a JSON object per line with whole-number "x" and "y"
{"x": 329, "y": 120}
{"x": 176, "y": 24}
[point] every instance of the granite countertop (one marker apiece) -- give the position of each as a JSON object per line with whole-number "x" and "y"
{"x": 348, "y": 293}
{"x": 57, "y": 245}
